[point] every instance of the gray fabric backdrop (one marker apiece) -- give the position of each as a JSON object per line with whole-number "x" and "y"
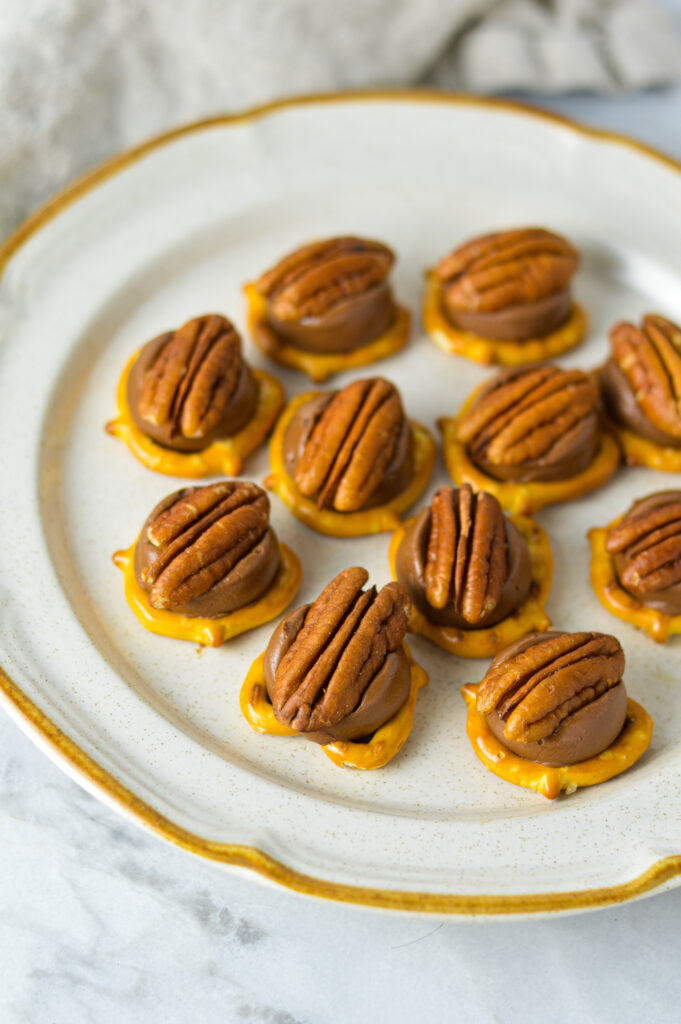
{"x": 81, "y": 79}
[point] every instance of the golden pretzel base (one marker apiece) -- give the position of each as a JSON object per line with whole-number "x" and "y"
{"x": 529, "y": 618}
{"x": 617, "y": 600}
{"x": 639, "y": 451}
{"x": 381, "y": 748}
{"x": 224, "y": 456}
{"x": 629, "y": 746}
{"x": 320, "y": 365}
{"x": 503, "y": 351}
{"x": 381, "y": 519}
{"x": 212, "y": 632}
{"x": 524, "y": 498}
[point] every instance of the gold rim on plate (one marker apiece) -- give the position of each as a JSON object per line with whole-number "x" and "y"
{"x": 28, "y": 713}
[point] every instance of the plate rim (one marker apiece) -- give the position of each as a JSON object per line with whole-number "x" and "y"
{"x": 70, "y": 756}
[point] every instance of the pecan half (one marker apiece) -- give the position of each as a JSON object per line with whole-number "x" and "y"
{"x": 193, "y": 377}
{"x": 650, "y": 358}
{"x": 351, "y": 445}
{"x": 649, "y": 541}
{"x": 506, "y": 269}
{"x": 200, "y": 537}
{"x": 345, "y": 638}
{"x": 534, "y": 691}
{"x": 466, "y": 560}
{"x": 312, "y": 280}
{"x": 538, "y": 414}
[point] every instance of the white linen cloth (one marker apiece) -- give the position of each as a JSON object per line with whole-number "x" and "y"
{"x": 81, "y": 79}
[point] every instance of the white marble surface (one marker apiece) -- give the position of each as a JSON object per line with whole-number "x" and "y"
{"x": 102, "y": 924}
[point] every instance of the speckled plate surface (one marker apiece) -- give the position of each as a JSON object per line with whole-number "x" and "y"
{"x": 152, "y": 724}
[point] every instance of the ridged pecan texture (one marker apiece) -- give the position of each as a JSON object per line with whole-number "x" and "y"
{"x": 537, "y": 689}
{"x": 650, "y": 358}
{"x": 351, "y": 445}
{"x": 201, "y": 537}
{"x": 345, "y": 638}
{"x": 507, "y": 269}
{"x": 312, "y": 280}
{"x": 466, "y": 559}
{"x": 193, "y": 377}
{"x": 534, "y": 415}
{"x": 650, "y": 543}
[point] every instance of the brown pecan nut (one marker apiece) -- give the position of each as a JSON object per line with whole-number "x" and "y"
{"x": 533, "y": 423}
{"x": 544, "y": 683}
{"x": 207, "y": 550}
{"x": 314, "y": 279}
{"x": 464, "y": 564}
{"x": 466, "y": 560}
{"x": 646, "y": 545}
{"x": 649, "y": 357}
{"x": 184, "y": 383}
{"x": 360, "y": 438}
{"x": 341, "y": 645}
{"x": 506, "y": 269}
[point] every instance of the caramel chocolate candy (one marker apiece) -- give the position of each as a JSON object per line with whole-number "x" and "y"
{"x": 556, "y": 698}
{"x": 190, "y": 387}
{"x": 351, "y": 449}
{"x": 533, "y": 423}
{"x": 207, "y": 551}
{"x": 646, "y": 550}
{"x": 463, "y": 562}
{"x": 336, "y": 669}
{"x": 642, "y": 379}
{"x": 331, "y": 296}
{"x": 509, "y": 285}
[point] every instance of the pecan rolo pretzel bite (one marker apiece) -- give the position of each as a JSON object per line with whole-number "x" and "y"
{"x": 477, "y": 579}
{"x": 349, "y": 462}
{"x": 641, "y": 385}
{"x": 207, "y": 565}
{"x": 552, "y": 713}
{"x": 505, "y": 298}
{"x": 328, "y": 307}
{"x": 190, "y": 405}
{"x": 532, "y": 436}
{"x": 636, "y": 564}
{"x": 337, "y": 672}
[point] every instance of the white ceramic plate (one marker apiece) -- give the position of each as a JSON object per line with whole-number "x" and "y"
{"x": 152, "y": 724}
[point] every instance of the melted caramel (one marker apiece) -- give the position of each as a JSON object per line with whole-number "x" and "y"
{"x": 224, "y": 456}
{"x": 213, "y": 632}
{"x": 524, "y": 498}
{"x": 630, "y": 745}
{"x": 376, "y": 752}
{"x": 659, "y": 625}
{"x": 529, "y": 618}
{"x": 381, "y": 519}
{"x": 318, "y": 366}
{"x": 488, "y": 351}
{"x": 640, "y": 451}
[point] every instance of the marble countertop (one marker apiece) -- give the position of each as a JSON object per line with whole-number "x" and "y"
{"x": 103, "y": 924}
